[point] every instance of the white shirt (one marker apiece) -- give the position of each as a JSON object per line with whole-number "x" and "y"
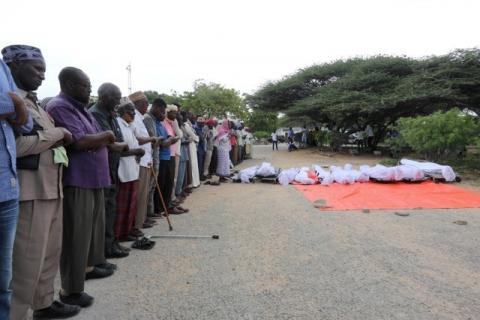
{"x": 274, "y": 136}
{"x": 140, "y": 131}
{"x": 128, "y": 169}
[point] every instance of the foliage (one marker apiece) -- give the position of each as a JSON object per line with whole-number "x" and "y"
{"x": 206, "y": 99}
{"x": 346, "y": 95}
{"x": 214, "y": 100}
{"x": 262, "y": 134}
{"x": 439, "y": 135}
{"x": 259, "y": 120}
{"x": 322, "y": 138}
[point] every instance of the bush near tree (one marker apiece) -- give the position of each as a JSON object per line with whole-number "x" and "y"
{"x": 441, "y": 135}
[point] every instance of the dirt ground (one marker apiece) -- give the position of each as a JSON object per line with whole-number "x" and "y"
{"x": 280, "y": 258}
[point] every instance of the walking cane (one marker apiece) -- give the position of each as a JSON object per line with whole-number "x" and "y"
{"x": 167, "y": 215}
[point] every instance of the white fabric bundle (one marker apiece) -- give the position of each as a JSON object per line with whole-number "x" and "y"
{"x": 324, "y": 177}
{"x": 303, "y": 178}
{"x": 246, "y": 174}
{"x": 433, "y": 168}
{"x": 342, "y": 176}
{"x": 265, "y": 170}
{"x": 287, "y": 176}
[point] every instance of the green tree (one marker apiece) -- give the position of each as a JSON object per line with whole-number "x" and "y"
{"x": 214, "y": 100}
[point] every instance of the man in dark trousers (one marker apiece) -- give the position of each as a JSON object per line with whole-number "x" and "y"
{"x": 84, "y": 180}
{"x": 109, "y": 96}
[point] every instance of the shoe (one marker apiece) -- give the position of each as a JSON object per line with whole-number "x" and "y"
{"x": 143, "y": 244}
{"x": 119, "y": 246}
{"x": 116, "y": 253}
{"x": 185, "y": 210}
{"x": 77, "y": 299}
{"x": 175, "y": 210}
{"x": 57, "y": 310}
{"x": 147, "y": 225}
{"x": 136, "y": 233}
{"x": 107, "y": 265}
{"x": 155, "y": 215}
{"x": 98, "y": 273}
{"x": 151, "y": 221}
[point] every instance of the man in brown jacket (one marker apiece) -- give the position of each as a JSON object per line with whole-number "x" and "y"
{"x": 40, "y": 154}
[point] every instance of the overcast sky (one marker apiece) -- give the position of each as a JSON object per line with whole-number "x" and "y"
{"x": 240, "y": 44}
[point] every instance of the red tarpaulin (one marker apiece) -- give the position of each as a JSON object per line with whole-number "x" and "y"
{"x": 371, "y": 195}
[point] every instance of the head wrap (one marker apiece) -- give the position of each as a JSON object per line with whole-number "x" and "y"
{"x": 137, "y": 96}
{"x": 223, "y": 130}
{"x": 210, "y": 122}
{"x": 171, "y": 107}
{"x": 20, "y": 52}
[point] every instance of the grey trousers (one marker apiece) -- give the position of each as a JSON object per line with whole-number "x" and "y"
{"x": 142, "y": 196}
{"x": 83, "y": 235}
{"x": 36, "y": 254}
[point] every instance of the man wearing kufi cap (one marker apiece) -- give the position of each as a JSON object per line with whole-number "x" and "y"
{"x": 41, "y": 158}
{"x": 13, "y": 114}
{"x": 139, "y": 99}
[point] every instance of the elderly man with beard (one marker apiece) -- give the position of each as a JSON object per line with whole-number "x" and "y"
{"x": 84, "y": 180}
{"x": 139, "y": 99}
{"x": 103, "y": 111}
{"x": 40, "y": 162}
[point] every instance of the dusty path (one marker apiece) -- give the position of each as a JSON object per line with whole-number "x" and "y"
{"x": 280, "y": 258}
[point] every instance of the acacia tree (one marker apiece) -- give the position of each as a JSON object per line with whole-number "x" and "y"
{"x": 347, "y": 95}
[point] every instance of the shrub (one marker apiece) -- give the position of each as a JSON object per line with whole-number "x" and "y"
{"x": 261, "y": 134}
{"x": 439, "y": 135}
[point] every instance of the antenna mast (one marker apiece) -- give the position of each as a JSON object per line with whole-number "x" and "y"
{"x": 129, "y": 69}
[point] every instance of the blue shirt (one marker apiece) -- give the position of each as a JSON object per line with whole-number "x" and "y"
{"x": 8, "y": 152}
{"x": 162, "y": 132}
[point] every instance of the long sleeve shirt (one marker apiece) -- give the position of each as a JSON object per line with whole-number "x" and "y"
{"x": 8, "y": 154}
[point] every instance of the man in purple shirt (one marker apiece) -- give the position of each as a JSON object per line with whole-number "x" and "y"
{"x": 84, "y": 179}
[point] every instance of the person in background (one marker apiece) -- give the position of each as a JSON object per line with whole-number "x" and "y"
{"x": 274, "y": 140}
{"x": 84, "y": 179}
{"x": 189, "y": 121}
{"x": 209, "y": 141}
{"x": 304, "y": 137}
{"x": 182, "y": 169}
{"x": 128, "y": 174}
{"x": 139, "y": 99}
{"x": 201, "y": 147}
{"x": 103, "y": 111}
{"x": 167, "y": 151}
{"x": 233, "y": 144}
{"x": 248, "y": 144}
{"x": 240, "y": 142}
{"x": 149, "y": 119}
{"x": 14, "y": 115}
{"x": 223, "y": 159}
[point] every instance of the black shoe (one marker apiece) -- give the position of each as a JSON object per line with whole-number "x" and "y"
{"x": 107, "y": 265}
{"x": 116, "y": 253}
{"x": 77, "y": 299}
{"x": 57, "y": 310}
{"x": 98, "y": 273}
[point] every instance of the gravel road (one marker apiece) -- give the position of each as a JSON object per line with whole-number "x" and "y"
{"x": 278, "y": 257}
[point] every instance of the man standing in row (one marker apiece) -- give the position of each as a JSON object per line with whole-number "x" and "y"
{"x": 13, "y": 114}
{"x": 40, "y": 160}
{"x": 84, "y": 180}
{"x": 139, "y": 99}
{"x": 103, "y": 111}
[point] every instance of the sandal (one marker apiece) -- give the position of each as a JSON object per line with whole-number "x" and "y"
{"x": 143, "y": 244}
